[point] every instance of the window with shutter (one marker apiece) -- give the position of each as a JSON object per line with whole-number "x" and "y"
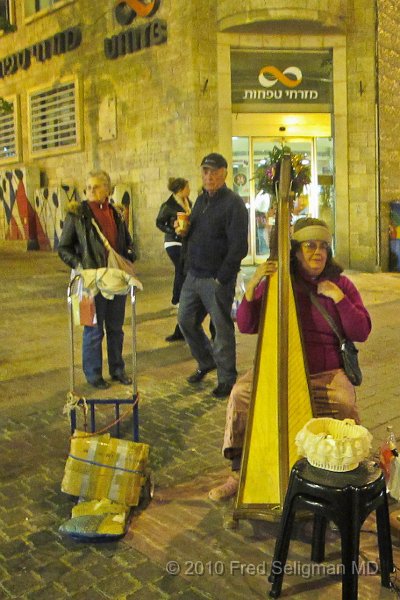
{"x": 54, "y": 119}
{"x": 9, "y": 146}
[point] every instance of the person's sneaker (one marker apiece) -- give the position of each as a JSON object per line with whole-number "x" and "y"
{"x": 222, "y": 390}
{"x": 225, "y": 490}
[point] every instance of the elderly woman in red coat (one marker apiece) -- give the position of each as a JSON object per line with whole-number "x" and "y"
{"x": 313, "y": 270}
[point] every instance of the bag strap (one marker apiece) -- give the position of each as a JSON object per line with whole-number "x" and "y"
{"x": 324, "y": 313}
{"x": 101, "y": 235}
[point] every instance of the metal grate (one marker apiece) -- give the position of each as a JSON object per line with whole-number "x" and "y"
{"x": 53, "y": 118}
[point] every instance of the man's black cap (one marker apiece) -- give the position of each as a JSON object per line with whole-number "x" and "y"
{"x": 214, "y": 161}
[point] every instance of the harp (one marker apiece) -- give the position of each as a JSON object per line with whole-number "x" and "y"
{"x": 280, "y": 404}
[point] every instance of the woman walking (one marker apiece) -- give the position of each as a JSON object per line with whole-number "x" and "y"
{"x": 177, "y": 202}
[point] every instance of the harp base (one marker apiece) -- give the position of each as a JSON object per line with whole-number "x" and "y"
{"x": 270, "y": 513}
{"x": 266, "y": 512}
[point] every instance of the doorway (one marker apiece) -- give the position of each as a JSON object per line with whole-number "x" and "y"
{"x": 316, "y": 199}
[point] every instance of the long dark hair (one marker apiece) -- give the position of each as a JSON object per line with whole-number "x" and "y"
{"x": 332, "y": 269}
{"x": 176, "y": 184}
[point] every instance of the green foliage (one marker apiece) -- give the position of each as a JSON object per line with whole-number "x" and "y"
{"x": 5, "y": 107}
{"x": 268, "y": 171}
{"x": 6, "y": 26}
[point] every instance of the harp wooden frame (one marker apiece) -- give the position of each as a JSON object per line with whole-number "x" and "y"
{"x": 274, "y": 436}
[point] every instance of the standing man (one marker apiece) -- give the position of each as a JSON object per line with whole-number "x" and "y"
{"x": 216, "y": 245}
{"x": 81, "y": 246}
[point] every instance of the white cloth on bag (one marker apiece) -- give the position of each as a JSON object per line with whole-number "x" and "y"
{"x": 108, "y": 281}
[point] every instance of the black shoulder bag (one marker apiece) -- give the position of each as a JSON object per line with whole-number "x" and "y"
{"x": 347, "y": 349}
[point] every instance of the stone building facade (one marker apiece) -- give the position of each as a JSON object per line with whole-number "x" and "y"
{"x": 145, "y": 88}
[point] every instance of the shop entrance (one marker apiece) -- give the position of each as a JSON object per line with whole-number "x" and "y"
{"x": 251, "y": 155}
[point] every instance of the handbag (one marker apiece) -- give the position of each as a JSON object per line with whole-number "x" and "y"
{"x": 348, "y": 350}
{"x": 350, "y": 362}
{"x": 114, "y": 260}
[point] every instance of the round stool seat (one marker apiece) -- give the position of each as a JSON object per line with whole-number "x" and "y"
{"x": 364, "y": 475}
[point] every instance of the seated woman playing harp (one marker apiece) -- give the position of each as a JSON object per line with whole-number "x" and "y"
{"x": 313, "y": 270}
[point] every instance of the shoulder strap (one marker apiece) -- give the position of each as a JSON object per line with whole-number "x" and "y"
{"x": 101, "y": 234}
{"x": 325, "y": 314}
{"x": 322, "y": 311}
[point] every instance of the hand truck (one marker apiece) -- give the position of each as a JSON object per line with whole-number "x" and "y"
{"x": 75, "y": 400}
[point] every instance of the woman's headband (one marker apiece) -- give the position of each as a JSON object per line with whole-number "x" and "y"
{"x": 312, "y": 232}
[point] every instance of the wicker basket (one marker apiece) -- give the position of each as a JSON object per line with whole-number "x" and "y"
{"x": 334, "y": 445}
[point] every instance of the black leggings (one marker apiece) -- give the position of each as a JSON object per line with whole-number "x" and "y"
{"x": 175, "y": 254}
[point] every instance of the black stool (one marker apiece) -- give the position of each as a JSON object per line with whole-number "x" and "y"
{"x": 345, "y": 498}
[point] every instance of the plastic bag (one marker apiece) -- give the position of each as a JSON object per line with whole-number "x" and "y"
{"x": 240, "y": 289}
{"x": 393, "y": 485}
{"x": 82, "y": 301}
{"x": 87, "y": 311}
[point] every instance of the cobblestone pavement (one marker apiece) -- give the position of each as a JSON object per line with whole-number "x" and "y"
{"x": 183, "y": 425}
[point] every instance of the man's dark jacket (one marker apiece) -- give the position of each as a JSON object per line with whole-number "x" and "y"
{"x": 80, "y": 242}
{"x": 217, "y": 239}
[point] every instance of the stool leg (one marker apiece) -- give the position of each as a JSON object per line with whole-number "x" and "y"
{"x": 318, "y": 539}
{"x": 280, "y": 557}
{"x": 384, "y": 541}
{"x": 350, "y": 535}
{"x": 281, "y": 551}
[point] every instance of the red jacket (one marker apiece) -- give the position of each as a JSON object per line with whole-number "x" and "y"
{"x": 321, "y": 344}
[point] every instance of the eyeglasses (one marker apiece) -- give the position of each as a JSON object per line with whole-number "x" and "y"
{"x": 313, "y": 245}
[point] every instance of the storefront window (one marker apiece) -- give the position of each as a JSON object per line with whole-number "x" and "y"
{"x": 241, "y": 176}
{"x": 326, "y": 189}
{"x": 316, "y": 198}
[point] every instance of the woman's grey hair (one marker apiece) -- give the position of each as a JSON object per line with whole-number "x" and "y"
{"x": 104, "y": 176}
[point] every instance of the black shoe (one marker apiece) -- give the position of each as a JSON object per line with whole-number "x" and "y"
{"x": 122, "y": 378}
{"x": 198, "y": 375}
{"x": 100, "y": 384}
{"x": 222, "y": 390}
{"x": 174, "y": 337}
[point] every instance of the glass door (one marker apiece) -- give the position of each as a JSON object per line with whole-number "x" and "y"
{"x": 316, "y": 199}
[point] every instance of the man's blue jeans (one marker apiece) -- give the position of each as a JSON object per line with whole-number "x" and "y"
{"x": 205, "y": 293}
{"x": 110, "y": 316}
